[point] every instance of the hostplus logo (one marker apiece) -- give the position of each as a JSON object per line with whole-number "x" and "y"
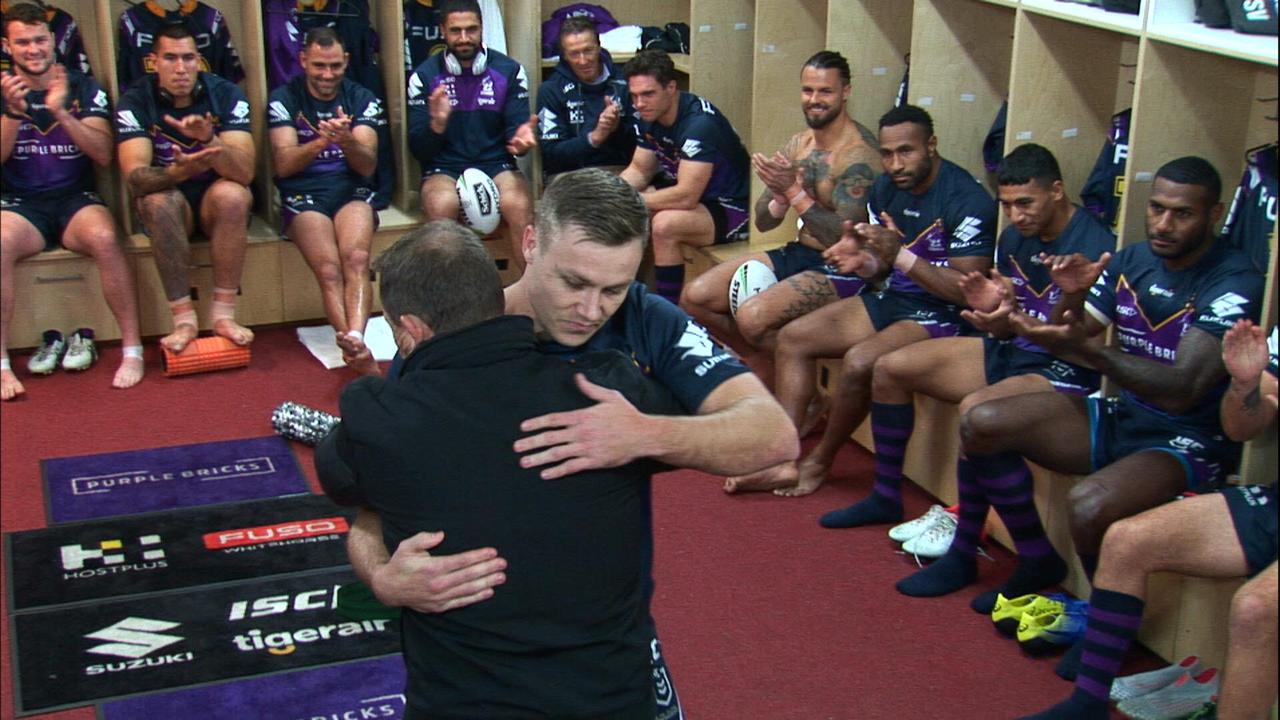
{"x": 112, "y": 556}
{"x": 136, "y": 640}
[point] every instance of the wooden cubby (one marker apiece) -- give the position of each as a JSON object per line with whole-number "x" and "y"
{"x": 877, "y": 52}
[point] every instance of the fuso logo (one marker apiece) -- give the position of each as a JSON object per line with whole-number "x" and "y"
{"x": 292, "y": 530}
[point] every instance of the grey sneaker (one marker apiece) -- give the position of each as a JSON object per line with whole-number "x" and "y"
{"x": 46, "y": 358}
{"x": 81, "y": 352}
{"x": 1185, "y": 696}
{"x": 1132, "y": 686}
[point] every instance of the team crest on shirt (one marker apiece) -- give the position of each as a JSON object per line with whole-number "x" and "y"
{"x": 691, "y": 148}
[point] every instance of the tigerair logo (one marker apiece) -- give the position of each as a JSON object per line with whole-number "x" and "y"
{"x": 110, "y": 556}
{"x": 279, "y": 113}
{"x": 134, "y": 639}
{"x": 285, "y": 642}
{"x": 286, "y": 533}
{"x": 691, "y": 148}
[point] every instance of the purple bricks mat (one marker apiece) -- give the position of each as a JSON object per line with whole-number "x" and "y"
{"x": 123, "y": 483}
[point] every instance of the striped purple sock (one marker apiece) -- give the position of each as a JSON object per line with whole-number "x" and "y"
{"x": 1008, "y": 484}
{"x": 973, "y": 510}
{"x": 891, "y": 426}
{"x": 1114, "y": 619}
{"x": 669, "y": 280}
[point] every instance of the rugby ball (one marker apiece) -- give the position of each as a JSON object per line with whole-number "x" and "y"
{"x": 750, "y": 278}
{"x": 479, "y": 201}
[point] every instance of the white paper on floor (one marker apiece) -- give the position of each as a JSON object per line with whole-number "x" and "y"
{"x": 321, "y": 341}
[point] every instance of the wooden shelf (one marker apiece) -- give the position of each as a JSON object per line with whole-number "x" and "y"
{"x": 1087, "y": 15}
{"x": 1173, "y": 21}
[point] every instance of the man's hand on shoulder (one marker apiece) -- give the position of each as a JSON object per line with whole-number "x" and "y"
{"x": 418, "y": 580}
{"x": 608, "y": 434}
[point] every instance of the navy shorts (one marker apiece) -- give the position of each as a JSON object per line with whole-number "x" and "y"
{"x": 325, "y": 196}
{"x": 493, "y": 170}
{"x": 51, "y": 212}
{"x": 732, "y": 222}
{"x": 1120, "y": 428}
{"x": 1004, "y": 359}
{"x": 1253, "y": 512}
{"x": 193, "y": 191}
{"x": 666, "y": 701}
{"x": 889, "y": 307}
{"x": 795, "y": 257}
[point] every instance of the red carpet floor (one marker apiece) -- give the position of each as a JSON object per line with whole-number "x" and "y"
{"x": 762, "y": 613}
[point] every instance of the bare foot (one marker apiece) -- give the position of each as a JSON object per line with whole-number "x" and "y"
{"x": 182, "y": 335}
{"x": 357, "y": 355}
{"x": 781, "y": 475}
{"x": 812, "y": 473}
{"x": 813, "y": 415}
{"x": 233, "y": 331}
{"x": 129, "y": 373}
{"x": 10, "y": 388}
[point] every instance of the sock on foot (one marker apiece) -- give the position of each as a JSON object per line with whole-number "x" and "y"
{"x": 1028, "y": 577}
{"x": 669, "y": 280}
{"x": 1080, "y": 706}
{"x": 1069, "y": 664}
{"x": 874, "y": 509}
{"x": 946, "y": 575}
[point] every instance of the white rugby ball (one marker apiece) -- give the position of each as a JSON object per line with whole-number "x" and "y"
{"x": 478, "y": 196}
{"x": 750, "y": 278}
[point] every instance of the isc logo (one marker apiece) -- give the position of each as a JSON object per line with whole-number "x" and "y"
{"x": 280, "y": 604}
{"x": 274, "y": 533}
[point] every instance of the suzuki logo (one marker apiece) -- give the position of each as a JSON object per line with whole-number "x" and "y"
{"x": 134, "y": 637}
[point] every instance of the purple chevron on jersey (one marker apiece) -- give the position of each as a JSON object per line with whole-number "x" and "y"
{"x": 1152, "y": 338}
{"x": 45, "y": 157}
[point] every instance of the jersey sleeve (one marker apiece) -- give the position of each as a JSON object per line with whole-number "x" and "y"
{"x": 93, "y": 100}
{"x": 516, "y": 108}
{"x": 233, "y": 110}
{"x": 367, "y": 109}
{"x": 971, "y": 224}
{"x": 133, "y": 117}
{"x": 1101, "y": 301}
{"x": 701, "y": 141}
{"x": 1228, "y": 297}
{"x": 282, "y": 107}
{"x": 423, "y": 141}
{"x": 683, "y": 356}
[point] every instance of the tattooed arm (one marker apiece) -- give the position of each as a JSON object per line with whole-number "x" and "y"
{"x": 854, "y": 173}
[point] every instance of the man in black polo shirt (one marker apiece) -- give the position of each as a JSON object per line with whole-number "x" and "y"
{"x": 569, "y": 635}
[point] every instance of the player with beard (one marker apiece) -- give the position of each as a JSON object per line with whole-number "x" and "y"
{"x": 933, "y": 223}
{"x": 689, "y": 165}
{"x": 825, "y": 173}
{"x": 187, "y": 155}
{"x": 324, "y": 146}
{"x": 469, "y": 108}
{"x": 1171, "y": 298}
{"x": 56, "y": 126}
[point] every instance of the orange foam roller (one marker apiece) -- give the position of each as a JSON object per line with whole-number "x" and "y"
{"x": 205, "y": 355}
